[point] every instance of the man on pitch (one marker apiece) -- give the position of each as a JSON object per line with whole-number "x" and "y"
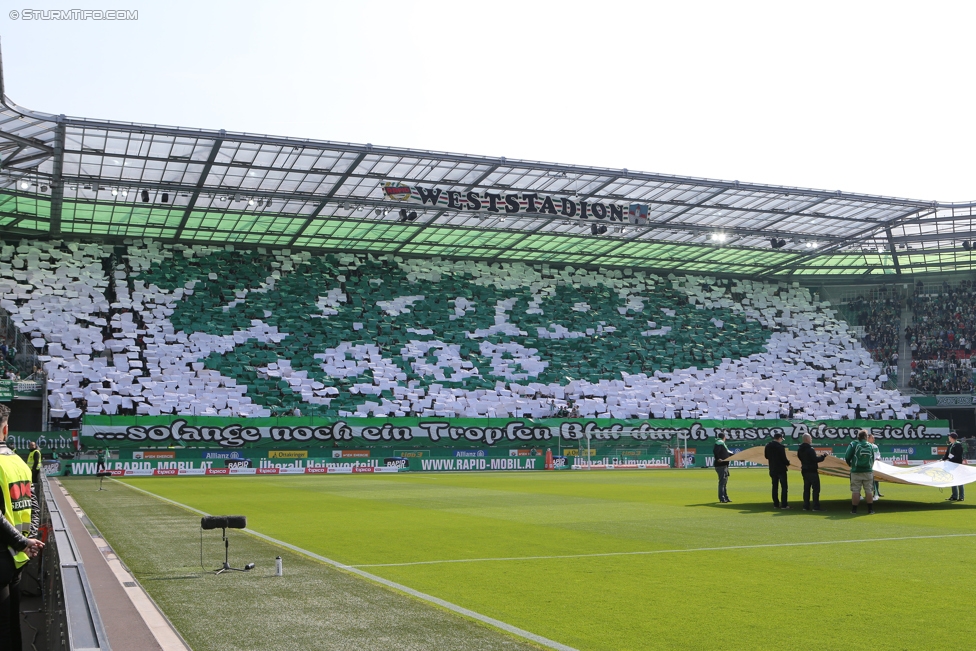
{"x": 860, "y": 457}
{"x": 775, "y": 454}
{"x": 954, "y": 453}
{"x": 809, "y": 460}
{"x": 721, "y": 454}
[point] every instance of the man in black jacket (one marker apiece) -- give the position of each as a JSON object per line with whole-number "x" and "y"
{"x": 809, "y": 460}
{"x": 721, "y": 454}
{"x": 954, "y": 453}
{"x": 775, "y": 454}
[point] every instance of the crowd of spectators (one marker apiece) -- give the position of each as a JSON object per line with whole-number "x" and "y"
{"x": 9, "y": 369}
{"x": 943, "y": 321}
{"x": 942, "y": 376}
{"x": 940, "y": 337}
{"x": 879, "y": 313}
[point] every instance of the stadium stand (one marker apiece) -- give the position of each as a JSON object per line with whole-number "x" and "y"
{"x": 216, "y": 331}
{"x": 940, "y": 337}
{"x": 55, "y": 293}
{"x": 878, "y": 313}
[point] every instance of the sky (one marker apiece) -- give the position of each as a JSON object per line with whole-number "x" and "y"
{"x": 869, "y": 97}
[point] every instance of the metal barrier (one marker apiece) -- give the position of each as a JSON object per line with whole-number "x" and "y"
{"x": 71, "y": 615}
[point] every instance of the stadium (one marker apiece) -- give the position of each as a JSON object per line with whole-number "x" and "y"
{"x": 469, "y": 402}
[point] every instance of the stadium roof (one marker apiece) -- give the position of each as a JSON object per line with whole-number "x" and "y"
{"x": 77, "y": 177}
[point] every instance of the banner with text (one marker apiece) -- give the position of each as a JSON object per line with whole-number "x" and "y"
{"x": 524, "y": 203}
{"x": 213, "y": 432}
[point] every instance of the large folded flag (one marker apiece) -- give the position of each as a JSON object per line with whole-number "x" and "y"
{"x": 939, "y": 474}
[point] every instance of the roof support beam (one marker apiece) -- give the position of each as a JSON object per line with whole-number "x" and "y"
{"x": 802, "y": 211}
{"x": 894, "y": 253}
{"x": 700, "y": 204}
{"x": 28, "y": 142}
{"x": 6, "y": 160}
{"x": 328, "y": 197}
{"x": 599, "y": 188}
{"x": 857, "y": 237}
{"x": 57, "y": 182}
{"x": 201, "y": 182}
{"x": 13, "y": 160}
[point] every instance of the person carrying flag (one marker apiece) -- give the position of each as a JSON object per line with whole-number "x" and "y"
{"x": 954, "y": 454}
{"x": 860, "y": 457}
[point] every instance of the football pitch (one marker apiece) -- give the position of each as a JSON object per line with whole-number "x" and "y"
{"x": 591, "y": 560}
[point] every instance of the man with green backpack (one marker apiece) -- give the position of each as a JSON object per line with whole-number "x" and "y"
{"x": 860, "y": 457}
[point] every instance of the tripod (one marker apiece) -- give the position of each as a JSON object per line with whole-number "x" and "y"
{"x": 226, "y": 566}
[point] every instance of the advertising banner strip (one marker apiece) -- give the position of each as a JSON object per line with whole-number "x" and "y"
{"x": 182, "y": 472}
{"x": 472, "y": 433}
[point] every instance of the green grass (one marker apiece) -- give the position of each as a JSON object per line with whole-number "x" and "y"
{"x": 313, "y": 606}
{"x": 883, "y": 594}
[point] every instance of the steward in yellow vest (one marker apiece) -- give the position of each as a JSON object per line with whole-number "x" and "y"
{"x": 15, "y": 486}
{"x": 34, "y": 462}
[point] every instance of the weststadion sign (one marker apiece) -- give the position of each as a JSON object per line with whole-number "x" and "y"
{"x": 525, "y": 203}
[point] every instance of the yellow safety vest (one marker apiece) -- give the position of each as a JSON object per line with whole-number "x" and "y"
{"x": 15, "y": 484}
{"x": 34, "y": 459}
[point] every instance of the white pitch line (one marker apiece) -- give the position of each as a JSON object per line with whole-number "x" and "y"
{"x": 666, "y": 551}
{"x": 514, "y": 630}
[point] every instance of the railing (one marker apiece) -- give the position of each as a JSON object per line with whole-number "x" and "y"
{"x": 71, "y": 615}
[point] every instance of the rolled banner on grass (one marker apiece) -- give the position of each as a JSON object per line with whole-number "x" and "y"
{"x": 940, "y": 474}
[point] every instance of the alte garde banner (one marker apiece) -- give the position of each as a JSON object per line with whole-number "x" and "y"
{"x": 203, "y": 431}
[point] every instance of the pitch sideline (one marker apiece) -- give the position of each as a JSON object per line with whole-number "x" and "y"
{"x": 495, "y": 623}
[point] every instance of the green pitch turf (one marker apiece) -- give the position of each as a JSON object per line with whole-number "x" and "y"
{"x": 561, "y": 554}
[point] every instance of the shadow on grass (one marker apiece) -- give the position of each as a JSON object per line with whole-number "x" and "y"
{"x": 836, "y": 508}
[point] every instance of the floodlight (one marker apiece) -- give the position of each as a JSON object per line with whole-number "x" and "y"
{"x": 165, "y": 197}
{"x": 115, "y": 192}
{"x": 250, "y": 202}
{"x": 967, "y": 245}
{"x": 25, "y": 184}
{"x": 125, "y": 193}
{"x": 145, "y": 196}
